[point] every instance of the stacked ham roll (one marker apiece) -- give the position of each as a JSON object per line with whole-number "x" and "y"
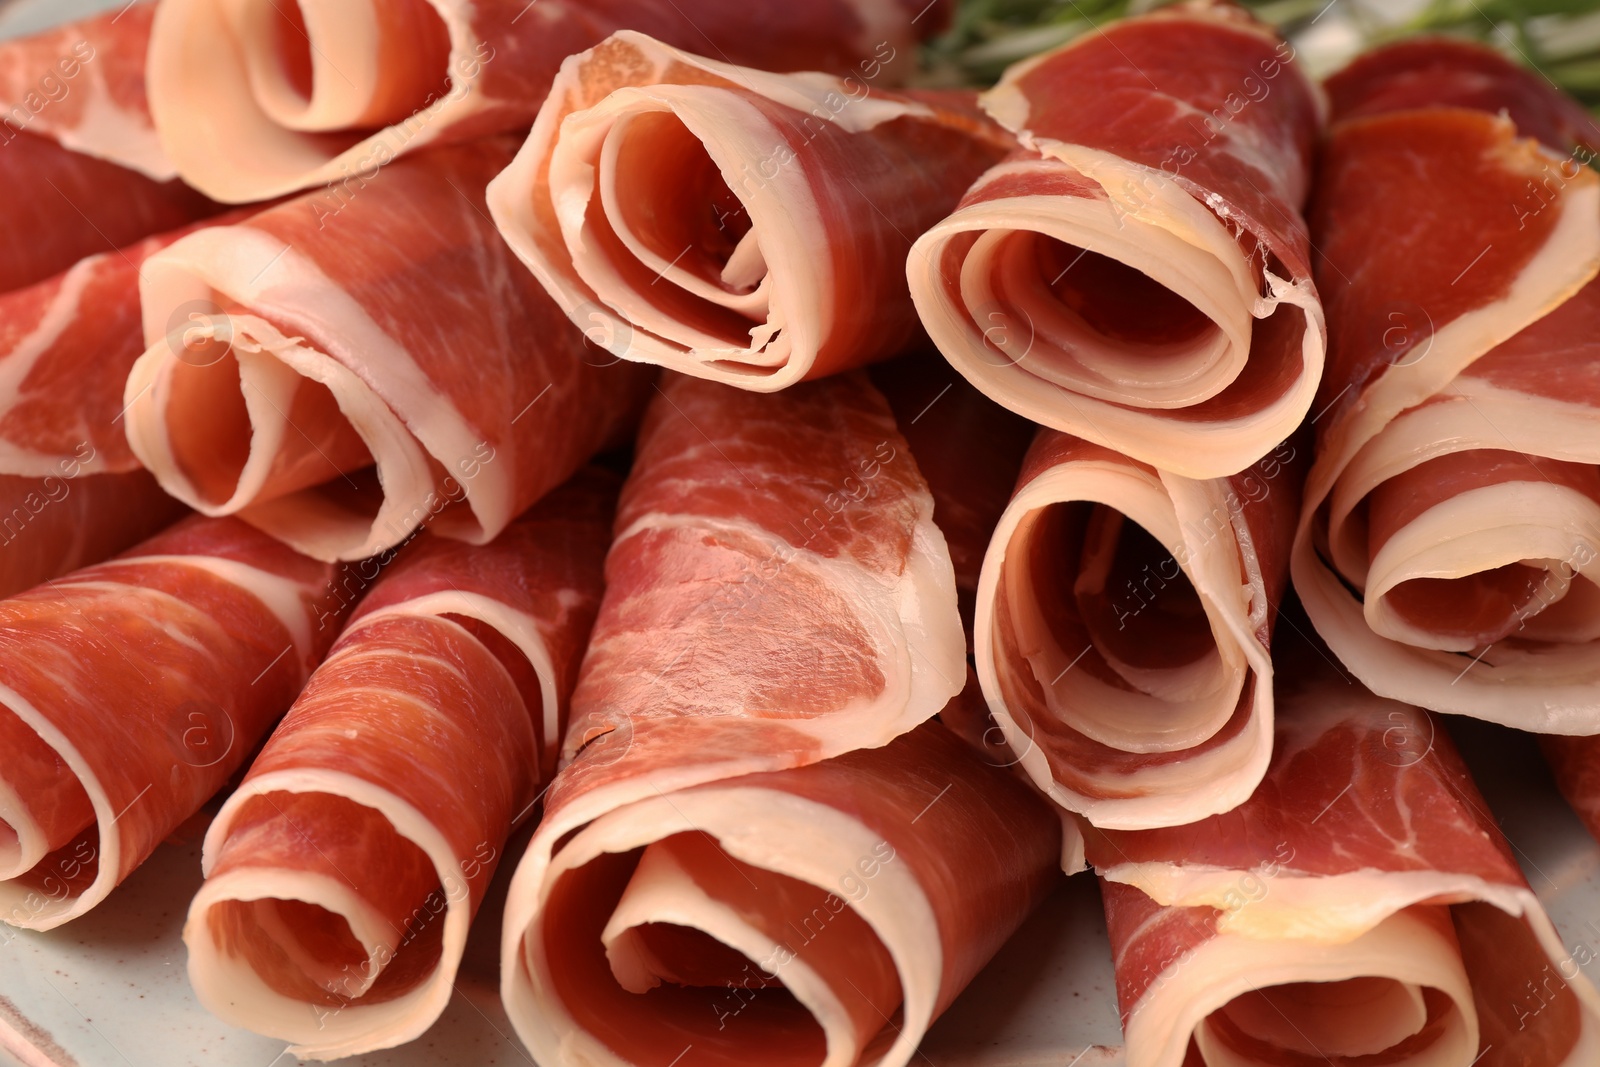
{"x": 740, "y": 226}
{"x": 1451, "y": 526}
{"x": 759, "y": 841}
{"x": 1124, "y": 628}
{"x": 305, "y": 372}
{"x": 1142, "y": 287}
{"x": 343, "y": 873}
{"x": 258, "y": 98}
{"x": 1362, "y": 907}
{"x": 1139, "y": 275}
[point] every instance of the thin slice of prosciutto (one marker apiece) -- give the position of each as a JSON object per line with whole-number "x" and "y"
{"x": 1363, "y": 907}
{"x": 1452, "y": 522}
{"x": 822, "y": 914}
{"x": 131, "y": 691}
{"x": 257, "y": 98}
{"x": 740, "y": 226}
{"x": 341, "y": 369}
{"x": 63, "y": 205}
{"x": 1124, "y": 622}
{"x": 1139, "y": 275}
{"x": 750, "y": 747}
{"x": 83, "y": 84}
{"x": 343, "y": 873}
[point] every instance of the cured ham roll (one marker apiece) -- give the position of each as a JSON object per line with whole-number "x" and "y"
{"x": 256, "y": 98}
{"x": 1141, "y": 277}
{"x": 778, "y": 600}
{"x": 826, "y": 913}
{"x": 83, "y": 84}
{"x": 1363, "y": 907}
{"x": 341, "y": 369}
{"x": 62, "y": 205}
{"x": 344, "y": 872}
{"x": 744, "y": 227}
{"x": 1452, "y": 521}
{"x": 131, "y": 691}
{"x": 1124, "y": 623}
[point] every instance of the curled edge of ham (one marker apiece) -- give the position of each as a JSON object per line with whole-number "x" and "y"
{"x": 238, "y": 148}
{"x": 1279, "y": 925}
{"x": 100, "y": 65}
{"x": 1387, "y": 416}
{"x": 1146, "y": 219}
{"x": 779, "y": 829}
{"x": 280, "y": 597}
{"x": 1224, "y": 571}
{"x": 540, "y": 201}
{"x": 241, "y": 265}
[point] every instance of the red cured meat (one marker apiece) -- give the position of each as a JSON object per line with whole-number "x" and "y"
{"x": 1140, "y": 275}
{"x": 132, "y": 691}
{"x": 350, "y": 365}
{"x": 1364, "y": 894}
{"x": 740, "y": 226}
{"x": 799, "y": 524}
{"x": 967, "y": 447}
{"x": 1450, "y": 512}
{"x": 62, "y": 206}
{"x": 1446, "y": 72}
{"x": 67, "y": 345}
{"x": 343, "y": 873}
{"x": 82, "y": 84}
{"x": 780, "y": 611}
{"x": 71, "y": 491}
{"x": 775, "y": 917}
{"x": 1124, "y": 621}
{"x": 59, "y": 522}
{"x": 255, "y": 99}
{"x": 1576, "y": 763}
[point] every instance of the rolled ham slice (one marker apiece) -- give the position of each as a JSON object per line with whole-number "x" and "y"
{"x": 745, "y": 227}
{"x": 256, "y": 98}
{"x": 1140, "y": 276}
{"x": 63, "y": 205}
{"x": 1124, "y": 621}
{"x": 822, "y": 914}
{"x": 429, "y": 731}
{"x": 131, "y": 691}
{"x": 777, "y": 596}
{"x": 1452, "y": 518}
{"x": 341, "y": 371}
{"x": 1362, "y": 907}
{"x": 82, "y": 84}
